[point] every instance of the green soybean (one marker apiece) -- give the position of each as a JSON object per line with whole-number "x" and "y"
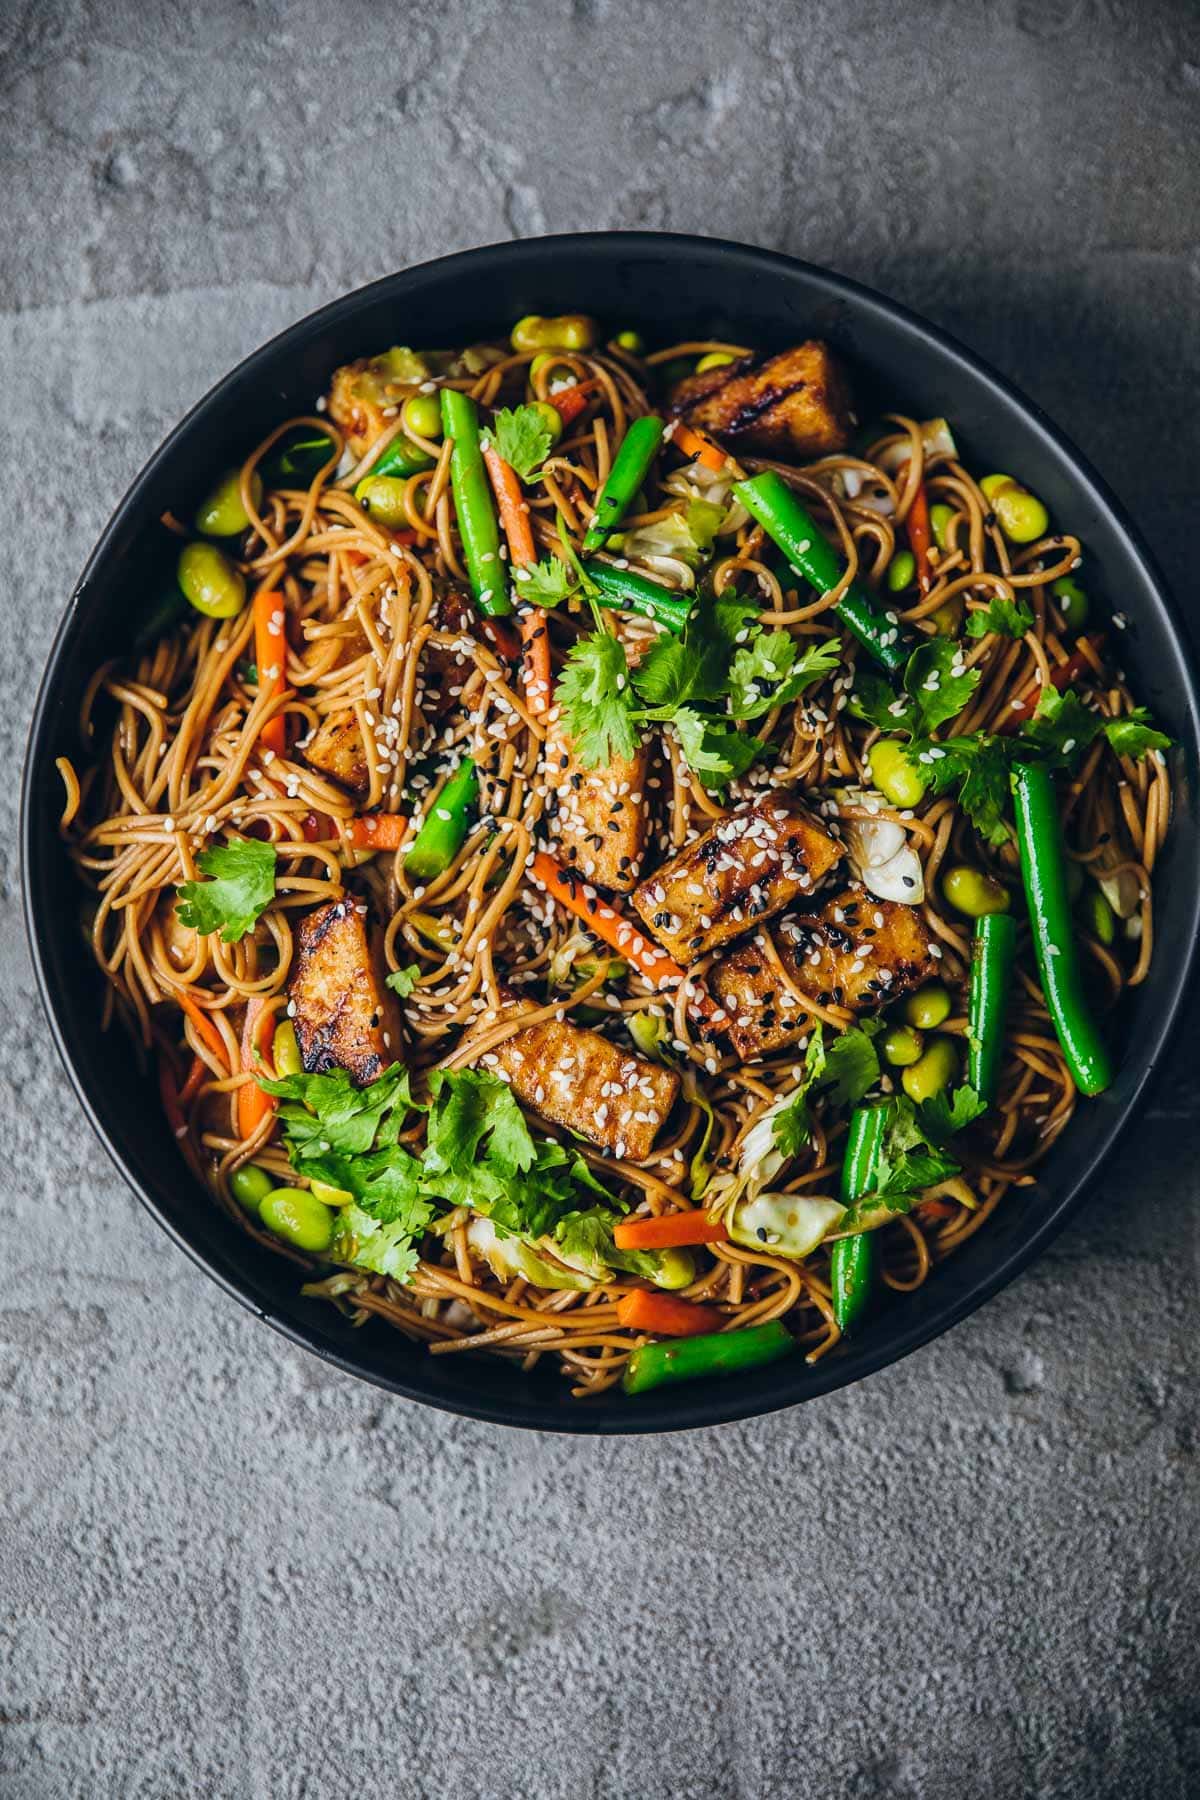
{"x": 928, "y": 1008}
{"x": 932, "y": 1073}
{"x": 299, "y": 1218}
{"x": 902, "y": 1046}
{"x": 221, "y": 514}
{"x": 895, "y": 774}
{"x": 972, "y": 892}
{"x": 250, "y": 1186}
{"x": 210, "y": 582}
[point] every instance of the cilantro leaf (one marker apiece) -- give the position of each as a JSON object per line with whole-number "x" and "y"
{"x": 1002, "y": 616}
{"x": 1135, "y": 734}
{"x": 852, "y": 1064}
{"x": 597, "y": 703}
{"x": 522, "y": 438}
{"x": 545, "y": 583}
{"x": 474, "y": 1118}
{"x": 937, "y": 683}
{"x": 240, "y": 888}
{"x": 772, "y": 670}
{"x": 383, "y": 1248}
{"x": 677, "y": 671}
{"x": 717, "y": 753}
{"x": 979, "y": 764}
{"x": 328, "y": 1110}
{"x": 875, "y": 700}
{"x": 791, "y": 1127}
{"x": 403, "y": 981}
{"x": 944, "y": 1115}
{"x": 586, "y": 1237}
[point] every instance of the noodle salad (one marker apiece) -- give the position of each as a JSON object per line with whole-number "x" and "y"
{"x": 614, "y": 860}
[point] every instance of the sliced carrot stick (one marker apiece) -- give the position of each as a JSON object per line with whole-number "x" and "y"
{"x": 581, "y": 898}
{"x": 694, "y": 443}
{"x": 203, "y": 1025}
{"x": 931, "y": 1210}
{"x": 514, "y": 516}
{"x": 270, "y": 651}
{"x": 1076, "y": 666}
{"x": 920, "y": 537}
{"x": 666, "y": 1316}
{"x": 197, "y": 1076}
{"x": 317, "y": 826}
{"x": 668, "y": 1230}
{"x": 569, "y": 402}
{"x": 377, "y": 831}
{"x": 253, "y": 1105}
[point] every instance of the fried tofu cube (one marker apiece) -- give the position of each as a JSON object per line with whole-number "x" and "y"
{"x": 574, "y": 1077}
{"x": 336, "y": 749}
{"x": 794, "y": 405}
{"x": 602, "y": 813}
{"x": 857, "y": 952}
{"x": 742, "y": 872}
{"x": 345, "y": 1015}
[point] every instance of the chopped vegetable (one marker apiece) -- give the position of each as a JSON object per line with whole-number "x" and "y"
{"x": 240, "y": 888}
{"x": 477, "y": 526}
{"x": 689, "y": 1359}
{"x": 665, "y": 1316}
{"x": 695, "y": 443}
{"x": 919, "y": 538}
{"x": 376, "y": 831}
{"x": 630, "y": 467}
{"x": 669, "y": 1229}
{"x": 270, "y": 651}
{"x": 446, "y": 825}
{"x": 253, "y": 1105}
{"x": 628, "y": 591}
{"x": 768, "y": 499}
{"x": 853, "y": 1260}
{"x": 607, "y": 923}
{"x": 993, "y": 954}
{"x": 522, "y": 438}
{"x": 210, "y": 582}
{"x": 1043, "y": 869}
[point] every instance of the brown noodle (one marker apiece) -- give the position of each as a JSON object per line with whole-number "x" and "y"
{"x": 178, "y": 766}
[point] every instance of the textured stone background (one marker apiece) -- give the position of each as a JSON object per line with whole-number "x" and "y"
{"x": 226, "y": 1571}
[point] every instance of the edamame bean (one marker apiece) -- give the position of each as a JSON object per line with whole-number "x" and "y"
{"x": 250, "y": 1186}
{"x": 1021, "y": 514}
{"x": 383, "y": 497}
{"x": 932, "y": 1073}
{"x": 422, "y": 413}
{"x": 929, "y": 1007}
{"x": 1072, "y": 602}
{"x": 972, "y": 892}
{"x": 948, "y": 617}
{"x": 895, "y": 774}
{"x": 902, "y": 1046}
{"x": 1099, "y": 917}
{"x": 676, "y": 1269}
{"x": 285, "y": 1050}
{"x": 568, "y": 331}
{"x": 715, "y": 359}
{"x": 210, "y": 582}
{"x": 222, "y": 514}
{"x": 631, "y": 341}
{"x": 941, "y": 517}
{"x": 551, "y": 418}
{"x": 901, "y": 570}
{"x": 299, "y": 1218}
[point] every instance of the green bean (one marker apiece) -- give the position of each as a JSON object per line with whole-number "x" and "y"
{"x": 715, "y": 1353}
{"x": 210, "y": 582}
{"x": 627, "y": 591}
{"x": 768, "y": 499}
{"x": 402, "y": 457}
{"x": 1043, "y": 870}
{"x": 446, "y": 825}
{"x": 478, "y": 527}
{"x": 630, "y": 466}
{"x": 993, "y": 955}
{"x": 853, "y": 1259}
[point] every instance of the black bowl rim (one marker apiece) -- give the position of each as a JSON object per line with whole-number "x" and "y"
{"x": 715, "y": 1403}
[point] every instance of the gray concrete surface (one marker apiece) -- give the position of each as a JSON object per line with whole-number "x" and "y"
{"x": 225, "y": 1571}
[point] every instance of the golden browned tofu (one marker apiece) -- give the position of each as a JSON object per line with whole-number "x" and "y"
{"x": 742, "y": 872}
{"x": 857, "y": 952}
{"x": 601, "y": 821}
{"x": 345, "y": 1016}
{"x": 336, "y": 749}
{"x": 579, "y": 1079}
{"x": 793, "y": 405}
{"x": 360, "y": 391}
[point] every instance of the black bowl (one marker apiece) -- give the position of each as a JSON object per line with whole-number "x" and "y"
{"x": 670, "y": 287}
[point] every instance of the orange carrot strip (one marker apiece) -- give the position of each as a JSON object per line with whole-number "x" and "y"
{"x": 666, "y": 1316}
{"x": 514, "y": 516}
{"x": 197, "y": 1076}
{"x": 568, "y": 403}
{"x": 377, "y": 831}
{"x": 581, "y": 898}
{"x": 253, "y": 1105}
{"x": 1076, "y": 665}
{"x": 694, "y": 443}
{"x": 203, "y": 1025}
{"x": 930, "y": 1210}
{"x": 270, "y": 653}
{"x": 920, "y": 537}
{"x": 668, "y": 1230}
